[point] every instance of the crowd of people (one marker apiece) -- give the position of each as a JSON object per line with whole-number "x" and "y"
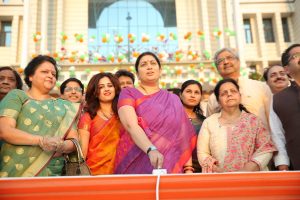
{"x": 128, "y": 128}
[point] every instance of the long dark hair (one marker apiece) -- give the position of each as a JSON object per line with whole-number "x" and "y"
{"x": 228, "y": 80}
{"x": 92, "y": 93}
{"x": 197, "y": 109}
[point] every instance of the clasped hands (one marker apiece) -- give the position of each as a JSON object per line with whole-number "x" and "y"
{"x": 50, "y": 144}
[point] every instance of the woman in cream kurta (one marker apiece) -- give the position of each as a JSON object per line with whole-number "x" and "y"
{"x": 233, "y": 140}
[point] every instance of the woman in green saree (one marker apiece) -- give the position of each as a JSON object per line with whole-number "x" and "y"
{"x": 34, "y": 125}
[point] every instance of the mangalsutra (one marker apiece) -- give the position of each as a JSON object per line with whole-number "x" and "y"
{"x": 146, "y": 90}
{"x": 105, "y": 115}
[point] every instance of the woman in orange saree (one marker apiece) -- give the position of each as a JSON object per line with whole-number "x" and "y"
{"x": 99, "y": 125}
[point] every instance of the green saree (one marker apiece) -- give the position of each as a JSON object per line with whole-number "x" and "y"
{"x": 52, "y": 117}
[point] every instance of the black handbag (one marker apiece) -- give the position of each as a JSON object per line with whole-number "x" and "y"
{"x": 75, "y": 164}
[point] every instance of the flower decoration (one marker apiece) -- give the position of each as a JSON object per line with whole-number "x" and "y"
{"x": 37, "y": 37}
{"x": 20, "y": 70}
{"x": 72, "y": 59}
{"x": 206, "y": 54}
{"x": 160, "y": 37}
{"x": 229, "y": 32}
{"x": 78, "y": 37}
{"x": 201, "y": 35}
{"x": 192, "y": 55}
{"x": 58, "y": 56}
{"x": 145, "y": 38}
{"x": 111, "y": 58}
{"x": 131, "y": 38}
{"x": 178, "y": 71}
{"x": 214, "y": 81}
{"x": 163, "y": 56}
{"x": 121, "y": 58}
{"x": 163, "y": 84}
{"x": 97, "y": 57}
{"x": 201, "y": 80}
{"x": 83, "y": 57}
{"x": 131, "y": 69}
{"x": 135, "y": 54}
{"x": 188, "y": 36}
{"x": 178, "y": 55}
{"x": 217, "y": 33}
{"x": 118, "y": 38}
{"x": 105, "y": 38}
{"x": 172, "y": 36}
{"x": 34, "y": 54}
{"x": 201, "y": 65}
{"x": 63, "y": 37}
{"x": 92, "y": 38}
{"x": 72, "y": 68}
{"x": 73, "y": 56}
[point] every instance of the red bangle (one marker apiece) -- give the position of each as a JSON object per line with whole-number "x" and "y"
{"x": 186, "y": 168}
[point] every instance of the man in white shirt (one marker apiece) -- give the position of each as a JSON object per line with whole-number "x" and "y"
{"x": 277, "y": 79}
{"x": 255, "y": 95}
{"x": 285, "y": 114}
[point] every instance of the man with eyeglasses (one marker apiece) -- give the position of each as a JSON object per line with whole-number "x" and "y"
{"x": 255, "y": 94}
{"x": 72, "y": 90}
{"x": 285, "y": 114}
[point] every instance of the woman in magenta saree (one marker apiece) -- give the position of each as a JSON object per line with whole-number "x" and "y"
{"x": 169, "y": 134}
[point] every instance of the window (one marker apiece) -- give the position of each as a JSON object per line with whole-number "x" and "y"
{"x": 248, "y": 33}
{"x": 5, "y": 33}
{"x": 148, "y": 22}
{"x": 285, "y": 29}
{"x": 268, "y": 30}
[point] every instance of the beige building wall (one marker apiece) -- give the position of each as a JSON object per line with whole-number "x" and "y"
{"x": 71, "y": 17}
{"x": 9, "y": 55}
{"x": 75, "y": 20}
{"x": 260, "y": 52}
{"x": 188, "y": 20}
{"x": 296, "y": 22}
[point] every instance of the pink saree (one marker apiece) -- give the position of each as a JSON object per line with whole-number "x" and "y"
{"x": 164, "y": 121}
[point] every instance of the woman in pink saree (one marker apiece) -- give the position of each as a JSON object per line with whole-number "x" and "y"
{"x": 157, "y": 131}
{"x": 234, "y": 139}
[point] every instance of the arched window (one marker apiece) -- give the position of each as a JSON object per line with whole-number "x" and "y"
{"x": 122, "y": 28}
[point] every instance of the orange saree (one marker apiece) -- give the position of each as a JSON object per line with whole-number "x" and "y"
{"x": 104, "y": 138}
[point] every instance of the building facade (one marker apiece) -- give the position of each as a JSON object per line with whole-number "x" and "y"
{"x": 191, "y": 31}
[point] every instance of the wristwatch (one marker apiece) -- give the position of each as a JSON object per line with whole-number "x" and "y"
{"x": 151, "y": 148}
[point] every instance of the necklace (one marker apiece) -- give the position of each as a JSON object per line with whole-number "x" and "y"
{"x": 107, "y": 116}
{"x": 147, "y": 93}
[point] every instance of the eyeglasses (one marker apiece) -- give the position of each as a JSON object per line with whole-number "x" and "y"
{"x": 228, "y": 58}
{"x": 70, "y": 89}
{"x": 294, "y": 56}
